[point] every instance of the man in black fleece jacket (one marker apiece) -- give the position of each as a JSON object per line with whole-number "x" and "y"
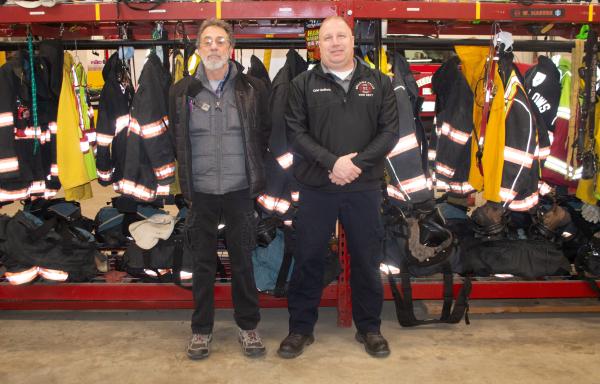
{"x": 342, "y": 120}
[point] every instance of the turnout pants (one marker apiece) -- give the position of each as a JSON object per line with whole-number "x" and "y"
{"x": 359, "y": 213}
{"x": 237, "y": 209}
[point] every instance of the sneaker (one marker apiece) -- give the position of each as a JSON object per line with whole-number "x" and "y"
{"x": 199, "y": 346}
{"x": 252, "y": 345}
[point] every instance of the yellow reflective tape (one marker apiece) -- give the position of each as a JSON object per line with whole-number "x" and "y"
{"x": 97, "y": 12}
{"x": 218, "y": 9}
{"x": 267, "y": 59}
{"x": 591, "y": 12}
{"x": 477, "y": 10}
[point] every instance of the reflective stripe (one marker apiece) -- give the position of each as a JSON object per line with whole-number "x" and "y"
{"x": 274, "y": 204}
{"x": 295, "y": 196}
{"x": 395, "y": 193}
{"x": 551, "y": 137}
{"x": 50, "y": 193}
{"x": 121, "y": 123}
{"x": 6, "y": 119}
{"x": 104, "y": 140}
{"x": 557, "y": 165}
{"x": 154, "y": 129}
{"x": 163, "y": 190}
{"x": 441, "y": 185}
{"x": 165, "y": 171}
{"x": 288, "y": 223}
{"x": 454, "y": 134}
{"x": 285, "y": 160}
{"x": 524, "y": 204}
{"x": 507, "y": 194}
{"x": 84, "y": 145}
{"x": 415, "y": 184}
{"x": 444, "y": 169}
{"x": 185, "y": 275}
{"x": 52, "y": 127}
{"x": 91, "y": 136}
{"x": 134, "y": 127}
{"x": 518, "y": 157}
{"x": 17, "y": 278}
{"x": 128, "y": 187}
{"x": 405, "y": 143}
{"x": 431, "y": 154}
{"x": 37, "y": 187}
{"x": 9, "y": 164}
{"x": 104, "y": 175}
{"x": 542, "y": 153}
{"x": 53, "y": 274}
{"x": 462, "y": 188}
{"x": 20, "y": 194}
{"x": 563, "y": 113}
{"x": 54, "y": 170}
{"x": 544, "y": 188}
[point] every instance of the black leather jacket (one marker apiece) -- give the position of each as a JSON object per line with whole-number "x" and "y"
{"x": 251, "y": 98}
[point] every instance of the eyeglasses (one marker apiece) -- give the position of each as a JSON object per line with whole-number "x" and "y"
{"x": 219, "y": 40}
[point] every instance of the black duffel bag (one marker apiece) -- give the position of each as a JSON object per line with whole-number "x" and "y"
{"x": 55, "y": 244}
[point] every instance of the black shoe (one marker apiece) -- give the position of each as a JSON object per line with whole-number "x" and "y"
{"x": 375, "y": 344}
{"x": 293, "y": 345}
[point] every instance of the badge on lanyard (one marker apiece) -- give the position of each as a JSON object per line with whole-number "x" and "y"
{"x": 205, "y": 107}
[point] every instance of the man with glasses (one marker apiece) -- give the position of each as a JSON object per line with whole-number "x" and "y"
{"x": 342, "y": 121}
{"x": 220, "y": 122}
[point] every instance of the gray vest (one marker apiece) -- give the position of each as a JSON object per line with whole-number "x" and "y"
{"x": 218, "y": 154}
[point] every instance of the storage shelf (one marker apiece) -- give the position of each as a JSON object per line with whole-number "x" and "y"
{"x": 168, "y": 296}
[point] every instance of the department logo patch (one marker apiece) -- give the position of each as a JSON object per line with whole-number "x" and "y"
{"x": 365, "y": 88}
{"x": 538, "y": 79}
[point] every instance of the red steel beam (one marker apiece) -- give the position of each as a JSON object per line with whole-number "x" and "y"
{"x": 113, "y": 12}
{"x": 476, "y": 11}
{"x": 167, "y": 296}
{"x": 505, "y": 290}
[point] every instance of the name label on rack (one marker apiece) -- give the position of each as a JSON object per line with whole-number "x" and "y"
{"x": 555, "y": 13}
{"x": 37, "y": 13}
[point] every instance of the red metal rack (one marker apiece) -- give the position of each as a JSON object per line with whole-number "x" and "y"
{"x": 431, "y": 18}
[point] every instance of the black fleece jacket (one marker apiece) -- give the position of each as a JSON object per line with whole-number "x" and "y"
{"x": 324, "y": 123}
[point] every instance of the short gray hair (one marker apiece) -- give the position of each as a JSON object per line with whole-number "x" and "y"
{"x": 216, "y": 23}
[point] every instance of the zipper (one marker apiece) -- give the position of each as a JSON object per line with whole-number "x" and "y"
{"x": 244, "y": 125}
{"x": 187, "y": 101}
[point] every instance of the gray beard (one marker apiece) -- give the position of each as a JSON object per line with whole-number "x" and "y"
{"x": 213, "y": 65}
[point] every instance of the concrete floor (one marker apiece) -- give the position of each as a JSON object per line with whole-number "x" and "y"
{"x": 148, "y": 347}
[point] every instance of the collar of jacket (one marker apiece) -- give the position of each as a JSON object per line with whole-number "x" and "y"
{"x": 231, "y": 74}
{"x": 360, "y": 70}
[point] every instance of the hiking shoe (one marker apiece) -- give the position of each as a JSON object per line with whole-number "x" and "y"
{"x": 251, "y": 342}
{"x": 199, "y": 346}
{"x": 293, "y": 345}
{"x": 375, "y": 344}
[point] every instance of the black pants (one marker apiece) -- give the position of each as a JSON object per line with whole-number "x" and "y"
{"x": 237, "y": 208}
{"x": 359, "y": 213}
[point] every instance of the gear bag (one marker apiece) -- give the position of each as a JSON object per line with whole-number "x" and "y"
{"x": 422, "y": 248}
{"x": 529, "y": 259}
{"x": 55, "y": 244}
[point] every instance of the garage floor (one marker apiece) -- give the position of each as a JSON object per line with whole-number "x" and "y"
{"x": 149, "y": 347}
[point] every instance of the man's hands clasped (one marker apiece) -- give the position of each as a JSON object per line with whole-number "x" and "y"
{"x": 344, "y": 171}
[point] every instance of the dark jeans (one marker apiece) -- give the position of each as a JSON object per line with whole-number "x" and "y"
{"x": 359, "y": 213}
{"x": 237, "y": 208}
